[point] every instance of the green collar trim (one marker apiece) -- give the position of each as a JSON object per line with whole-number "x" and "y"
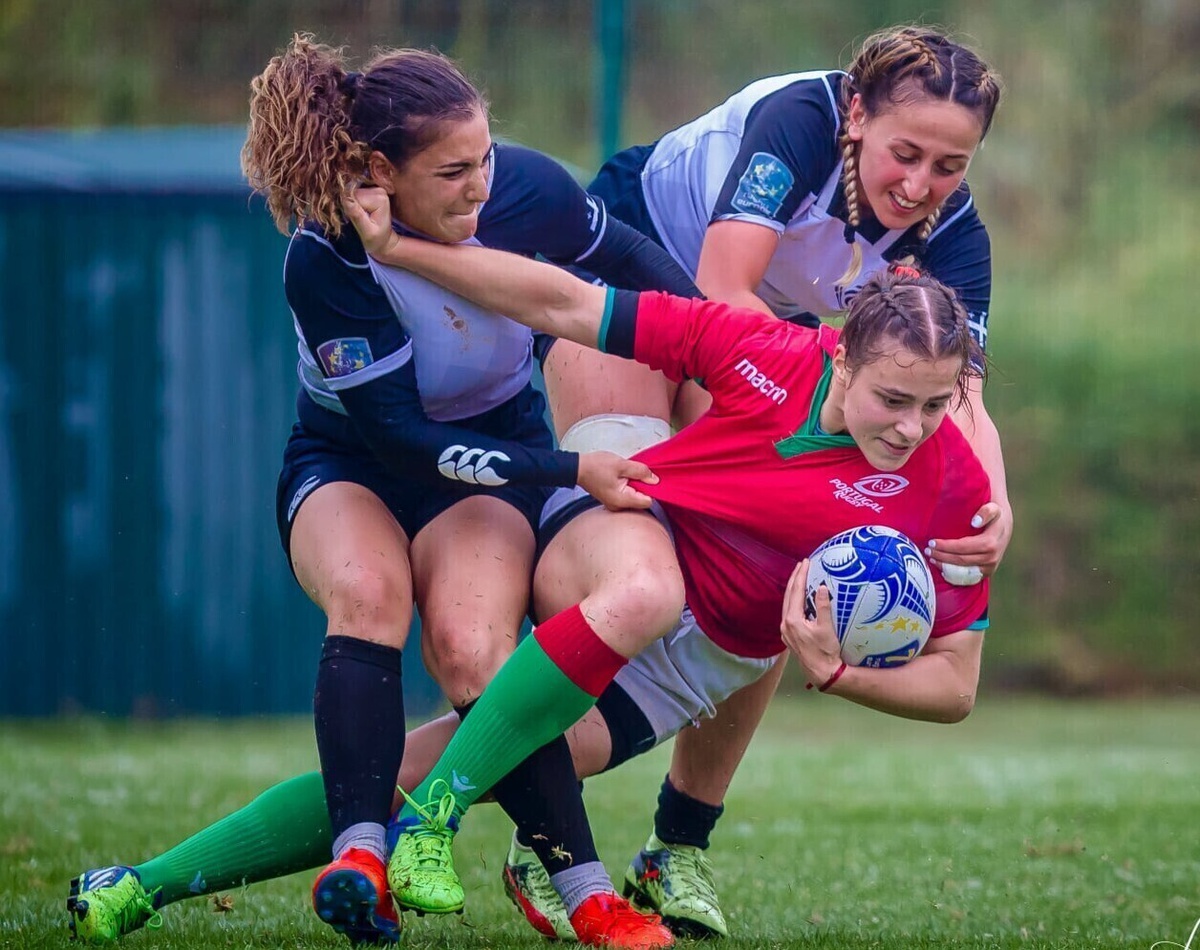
{"x": 809, "y": 438}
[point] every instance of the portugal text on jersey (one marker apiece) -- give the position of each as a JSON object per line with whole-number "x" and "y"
{"x": 473, "y": 466}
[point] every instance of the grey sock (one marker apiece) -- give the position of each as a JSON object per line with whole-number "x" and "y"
{"x": 368, "y": 835}
{"x": 577, "y": 884}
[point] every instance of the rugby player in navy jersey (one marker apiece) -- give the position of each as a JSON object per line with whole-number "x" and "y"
{"x": 800, "y": 418}
{"x": 785, "y": 199}
{"x": 419, "y": 463}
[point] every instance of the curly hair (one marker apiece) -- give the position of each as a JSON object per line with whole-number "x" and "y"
{"x": 314, "y": 123}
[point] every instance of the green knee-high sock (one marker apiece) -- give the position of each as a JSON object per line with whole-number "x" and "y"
{"x": 285, "y": 829}
{"x": 552, "y": 678}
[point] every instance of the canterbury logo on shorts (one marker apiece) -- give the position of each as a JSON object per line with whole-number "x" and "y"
{"x": 473, "y": 466}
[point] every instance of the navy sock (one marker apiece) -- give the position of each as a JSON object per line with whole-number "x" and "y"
{"x": 545, "y": 801}
{"x": 681, "y": 819}
{"x": 358, "y": 709}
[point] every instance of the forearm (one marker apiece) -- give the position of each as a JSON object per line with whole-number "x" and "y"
{"x": 933, "y": 687}
{"x": 981, "y": 432}
{"x": 541, "y": 296}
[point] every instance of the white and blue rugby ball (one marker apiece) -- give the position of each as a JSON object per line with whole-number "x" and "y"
{"x": 883, "y": 594}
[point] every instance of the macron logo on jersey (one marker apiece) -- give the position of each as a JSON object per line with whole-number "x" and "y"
{"x": 473, "y": 466}
{"x": 759, "y": 381}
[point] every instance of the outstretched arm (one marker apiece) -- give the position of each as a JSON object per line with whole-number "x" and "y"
{"x": 541, "y": 296}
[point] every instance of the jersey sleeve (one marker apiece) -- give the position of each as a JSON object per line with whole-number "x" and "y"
{"x": 538, "y": 208}
{"x": 684, "y": 338}
{"x": 964, "y": 489}
{"x": 366, "y": 359}
{"x": 959, "y": 254}
{"x": 786, "y": 153}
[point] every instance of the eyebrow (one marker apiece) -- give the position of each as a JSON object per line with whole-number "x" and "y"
{"x": 449, "y": 166}
{"x": 960, "y": 156}
{"x": 904, "y": 394}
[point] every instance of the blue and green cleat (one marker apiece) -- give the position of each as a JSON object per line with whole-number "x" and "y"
{"x": 676, "y": 882}
{"x": 106, "y": 903}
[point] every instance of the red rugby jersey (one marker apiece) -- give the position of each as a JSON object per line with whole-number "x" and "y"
{"x": 750, "y": 489}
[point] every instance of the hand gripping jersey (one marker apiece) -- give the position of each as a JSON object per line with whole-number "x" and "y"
{"x": 417, "y": 368}
{"x": 752, "y": 487}
{"x": 769, "y": 155}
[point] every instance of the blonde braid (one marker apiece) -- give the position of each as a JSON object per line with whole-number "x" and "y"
{"x": 853, "y": 214}
{"x": 929, "y": 224}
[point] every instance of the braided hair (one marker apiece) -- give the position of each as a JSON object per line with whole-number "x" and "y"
{"x": 903, "y": 307}
{"x": 907, "y": 64}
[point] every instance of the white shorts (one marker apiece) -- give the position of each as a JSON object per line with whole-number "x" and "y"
{"x": 679, "y": 679}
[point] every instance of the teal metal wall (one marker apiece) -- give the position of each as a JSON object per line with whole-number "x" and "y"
{"x": 147, "y": 380}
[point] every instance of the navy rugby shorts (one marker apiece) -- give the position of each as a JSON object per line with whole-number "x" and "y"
{"x": 325, "y": 447}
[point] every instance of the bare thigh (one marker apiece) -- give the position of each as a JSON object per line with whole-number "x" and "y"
{"x": 620, "y": 568}
{"x": 352, "y": 559}
{"x": 471, "y": 573}
{"x": 582, "y": 382}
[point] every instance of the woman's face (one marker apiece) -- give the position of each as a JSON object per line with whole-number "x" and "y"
{"x": 912, "y": 158}
{"x": 891, "y": 405}
{"x": 439, "y": 190}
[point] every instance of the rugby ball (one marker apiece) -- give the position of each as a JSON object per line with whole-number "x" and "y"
{"x": 883, "y": 594}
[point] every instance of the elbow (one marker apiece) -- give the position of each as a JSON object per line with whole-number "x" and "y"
{"x": 959, "y": 708}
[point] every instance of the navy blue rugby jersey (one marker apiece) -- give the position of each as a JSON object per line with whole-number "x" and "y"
{"x": 769, "y": 155}
{"x": 413, "y": 364}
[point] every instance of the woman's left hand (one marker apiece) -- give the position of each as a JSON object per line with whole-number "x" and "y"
{"x": 982, "y": 551}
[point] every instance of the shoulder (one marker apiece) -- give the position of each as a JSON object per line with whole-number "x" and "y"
{"x": 320, "y": 271}
{"x": 310, "y": 247}
{"x": 522, "y": 172}
{"x": 808, "y": 99}
{"x": 959, "y": 216}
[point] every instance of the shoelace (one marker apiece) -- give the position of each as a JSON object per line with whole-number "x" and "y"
{"x": 128, "y": 913}
{"x": 692, "y": 868}
{"x": 432, "y": 838}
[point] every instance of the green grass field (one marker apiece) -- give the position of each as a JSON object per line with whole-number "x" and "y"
{"x": 1033, "y": 824}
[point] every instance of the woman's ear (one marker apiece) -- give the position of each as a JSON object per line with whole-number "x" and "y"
{"x": 380, "y": 172}
{"x": 856, "y": 118}
{"x": 840, "y": 371}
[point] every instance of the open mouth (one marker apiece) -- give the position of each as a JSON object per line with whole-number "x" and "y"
{"x": 903, "y": 203}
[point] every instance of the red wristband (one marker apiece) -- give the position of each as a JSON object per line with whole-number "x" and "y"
{"x": 833, "y": 679}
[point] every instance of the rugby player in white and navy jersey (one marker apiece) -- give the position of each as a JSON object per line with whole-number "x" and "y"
{"x": 805, "y": 424}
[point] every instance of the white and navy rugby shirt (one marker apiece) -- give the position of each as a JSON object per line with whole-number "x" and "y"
{"x": 769, "y": 155}
{"x": 412, "y": 363}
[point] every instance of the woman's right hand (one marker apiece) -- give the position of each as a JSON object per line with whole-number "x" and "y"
{"x": 369, "y": 209}
{"x": 606, "y": 477}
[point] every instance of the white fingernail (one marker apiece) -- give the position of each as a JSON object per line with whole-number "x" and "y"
{"x": 977, "y": 522}
{"x": 933, "y": 544}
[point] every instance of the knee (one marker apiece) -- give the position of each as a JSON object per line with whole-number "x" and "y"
{"x": 646, "y": 601}
{"x": 462, "y": 661}
{"x": 369, "y": 605}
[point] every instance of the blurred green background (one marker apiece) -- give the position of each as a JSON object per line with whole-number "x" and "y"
{"x": 1089, "y": 183}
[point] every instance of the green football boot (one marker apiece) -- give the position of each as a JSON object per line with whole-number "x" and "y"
{"x": 528, "y": 886}
{"x": 421, "y": 868}
{"x": 675, "y": 881}
{"x": 107, "y": 903}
